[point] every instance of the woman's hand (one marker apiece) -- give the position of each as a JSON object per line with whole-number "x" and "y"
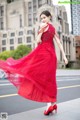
{"x": 43, "y": 27}
{"x": 39, "y": 41}
{"x": 65, "y": 60}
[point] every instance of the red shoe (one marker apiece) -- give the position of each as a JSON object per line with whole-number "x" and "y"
{"x": 55, "y": 108}
{"x": 50, "y": 110}
{"x": 47, "y": 112}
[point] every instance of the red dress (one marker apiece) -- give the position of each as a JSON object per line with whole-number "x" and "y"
{"x": 34, "y": 75}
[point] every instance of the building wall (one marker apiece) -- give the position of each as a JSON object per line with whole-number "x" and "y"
{"x": 12, "y": 38}
{"x": 77, "y": 44}
{"x": 15, "y": 15}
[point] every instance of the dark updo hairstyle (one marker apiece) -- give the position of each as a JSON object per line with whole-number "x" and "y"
{"x": 47, "y": 13}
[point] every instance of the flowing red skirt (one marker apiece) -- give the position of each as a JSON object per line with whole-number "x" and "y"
{"x": 34, "y": 75}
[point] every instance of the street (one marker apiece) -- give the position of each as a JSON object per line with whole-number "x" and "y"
{"x": 12, "y": 103}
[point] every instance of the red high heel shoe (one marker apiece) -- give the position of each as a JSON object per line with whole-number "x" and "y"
{"x": 47, "y": 112}
{"x": 50, "y": 110}
{"x": 55, "y": 108}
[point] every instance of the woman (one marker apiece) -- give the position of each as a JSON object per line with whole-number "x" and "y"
{"x": 34, "y": 75}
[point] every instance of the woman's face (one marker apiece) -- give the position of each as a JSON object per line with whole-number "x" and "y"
{"x": 44, "y": 18}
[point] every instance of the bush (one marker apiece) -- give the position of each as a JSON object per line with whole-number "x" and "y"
{"x": 19, "y": 52}
{"x": 6, "y": 54}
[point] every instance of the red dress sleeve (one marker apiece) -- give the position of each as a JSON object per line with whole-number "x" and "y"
{"x": 53, "y": 30}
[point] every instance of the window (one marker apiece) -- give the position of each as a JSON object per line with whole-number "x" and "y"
{"x": 29, "y": 6}
{"x": 30, "y": 22}
{"x": 12, "y": 34}
{"x": 21, "y": 33}
{"x": 20, "y": 21}
{"x": 3, "y": 42}
{"x": 19, "y": 40}
{"x": 12, "y": 48}
{"x": 1, "y": 10}
{"x": 1, "y": 23}
{"x": 4, "y": 35}
{"x": 29, "y": 32}
{"x": 2, "y": 26}
{"x": 34, "y": 18}
{"x": 39, "y": 3}
{"x": 11, "y": 41}
{"x": 28, "y": 39}
{"x": 3, "y": 48}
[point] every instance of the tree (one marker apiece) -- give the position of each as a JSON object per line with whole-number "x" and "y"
{"x": 6, "y": 54}
{"x": 19, "y": 52}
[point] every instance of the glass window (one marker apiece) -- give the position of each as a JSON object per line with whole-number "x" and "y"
{"x": 19, "y": 40}
{"x": 12, "y": 34}
{"x": 29, "y": 6}
{"x": 30, "y": 22}
{"x": 1, "y": 10}
{"x": 20, "y": 20}
{"x": 1, "y": 23}
{"x": 28, "y": 39}
{"x": 4, "y": 35}
{"x": 11, "y": 41}
{"x": 39, "y": 3}
{"x": 21, "y": 33}
{"x": 34, "y": 17}
{"x": 3, "y": 42}
{"x": 12, "y": 48}
{"x": 3, "y": 48}
{"x": 29, "y": 32}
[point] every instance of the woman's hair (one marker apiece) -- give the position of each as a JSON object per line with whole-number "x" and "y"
{"x": 47, "y": 13}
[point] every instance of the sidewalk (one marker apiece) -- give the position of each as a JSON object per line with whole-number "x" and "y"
{"x": 66, "y": 72}
{"x": 69, "y": 110}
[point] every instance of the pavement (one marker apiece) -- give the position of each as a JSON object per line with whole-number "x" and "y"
{"x": 69, "y": 110}
{"x": 68, "y": 72}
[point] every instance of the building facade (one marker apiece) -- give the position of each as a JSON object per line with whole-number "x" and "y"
{"x": 75, "y": 17}
{"x": 77, "y": 44}
{"x": 17, "y": 22}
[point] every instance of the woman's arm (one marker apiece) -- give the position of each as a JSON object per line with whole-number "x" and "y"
{"x": 61, "y": 47}
{"x": 43, "y": 28}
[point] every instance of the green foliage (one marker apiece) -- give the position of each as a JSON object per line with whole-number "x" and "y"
{"x": 5, "y": 54}
{"x": 19, "y": 52}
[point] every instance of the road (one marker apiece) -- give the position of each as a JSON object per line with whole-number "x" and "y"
{"x": 12, "y": 103}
